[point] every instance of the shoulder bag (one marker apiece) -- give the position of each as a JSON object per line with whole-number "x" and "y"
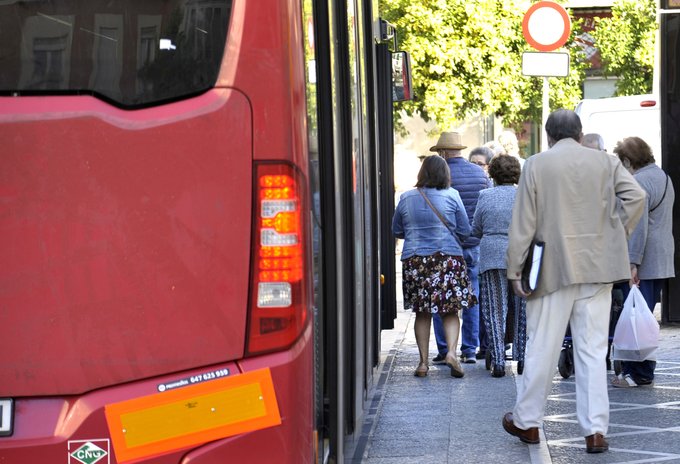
{"x": 441, "y": 218}
{"x": 662, "y": 196}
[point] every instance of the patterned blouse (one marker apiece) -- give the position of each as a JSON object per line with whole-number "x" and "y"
{"x": 491, "y": 223}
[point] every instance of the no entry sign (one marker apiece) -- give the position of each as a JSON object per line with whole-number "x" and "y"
{"x": 546, "y": 26}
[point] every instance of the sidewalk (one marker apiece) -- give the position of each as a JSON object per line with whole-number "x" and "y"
{"x": 441, "y": 419}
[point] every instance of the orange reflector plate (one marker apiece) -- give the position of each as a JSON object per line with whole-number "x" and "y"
{"x": 164, "y": 422}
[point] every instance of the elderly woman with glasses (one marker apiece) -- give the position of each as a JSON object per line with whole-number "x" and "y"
{"x": 481, "y": 156}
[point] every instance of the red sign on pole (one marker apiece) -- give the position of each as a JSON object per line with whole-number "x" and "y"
{"x": 546, "y": 26}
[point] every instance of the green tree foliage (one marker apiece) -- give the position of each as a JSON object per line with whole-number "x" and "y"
{"x": 626, "y": 44}
{"x": 466, "y": 58}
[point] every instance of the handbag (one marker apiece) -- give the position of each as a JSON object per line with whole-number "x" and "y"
{"x": 662, "y": 196}
{"x": 636, "y": 336}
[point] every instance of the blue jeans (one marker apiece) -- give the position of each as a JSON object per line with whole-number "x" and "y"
{"x": 470, "y": 326}
{"x": 643, "y": 372}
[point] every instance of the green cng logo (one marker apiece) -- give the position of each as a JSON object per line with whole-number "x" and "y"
{"x": 88, "y": 451}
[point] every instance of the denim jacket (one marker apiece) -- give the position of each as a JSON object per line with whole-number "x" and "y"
{"x": 423, "y": 232}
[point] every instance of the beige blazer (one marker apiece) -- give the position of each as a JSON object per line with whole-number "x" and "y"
{"x": 583, "y": 204}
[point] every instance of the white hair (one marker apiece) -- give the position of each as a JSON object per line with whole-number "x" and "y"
{"x": 509, "y": 141}
{"x": 593, "y": 140}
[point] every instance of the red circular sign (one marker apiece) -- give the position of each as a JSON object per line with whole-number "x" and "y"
{"x": 546, "y": 26}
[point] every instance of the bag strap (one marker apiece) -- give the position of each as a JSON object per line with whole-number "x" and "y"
{"x": 439, "y": 215}
{"x": 662, "y": 197}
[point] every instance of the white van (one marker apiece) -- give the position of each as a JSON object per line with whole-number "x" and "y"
{"x": 618, "y": 117}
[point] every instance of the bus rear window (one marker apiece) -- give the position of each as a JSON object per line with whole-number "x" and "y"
{"x": 130, "y": 52}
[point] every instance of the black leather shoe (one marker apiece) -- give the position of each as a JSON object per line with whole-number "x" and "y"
{"x": 498, "y": 371}
{"x": 439, "y": 359}
{"x": 596, "y": 443}
{"x": 529, "y": 435}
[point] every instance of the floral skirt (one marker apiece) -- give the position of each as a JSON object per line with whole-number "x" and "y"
{"x": 436, "y": 284}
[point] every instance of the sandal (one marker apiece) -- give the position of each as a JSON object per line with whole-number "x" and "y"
{"x": 623, "y": 381}
{"x": 454, "y": 364}
{"x": 421, "y": 371}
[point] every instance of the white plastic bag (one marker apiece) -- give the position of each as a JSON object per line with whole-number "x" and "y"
{"x": 636, "y": 336}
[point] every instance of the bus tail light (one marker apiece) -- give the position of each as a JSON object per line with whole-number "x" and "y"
{"x": 278, "y": 302}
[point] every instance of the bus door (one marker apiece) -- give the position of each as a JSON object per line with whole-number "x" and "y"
{"x": 670, "y": 134}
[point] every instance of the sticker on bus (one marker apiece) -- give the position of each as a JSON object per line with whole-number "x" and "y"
{"x": 89, "y": 451}
{"x": 212, "y": 375}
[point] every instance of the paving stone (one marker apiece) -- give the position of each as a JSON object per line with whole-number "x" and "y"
{"x": 443, "y": 420}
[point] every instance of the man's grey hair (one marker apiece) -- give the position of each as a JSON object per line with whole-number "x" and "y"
{"x": 593, "y": 140}
{"x": 563, "y": 124}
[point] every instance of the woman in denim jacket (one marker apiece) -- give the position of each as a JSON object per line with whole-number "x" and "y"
{"x": 433, "y": 268}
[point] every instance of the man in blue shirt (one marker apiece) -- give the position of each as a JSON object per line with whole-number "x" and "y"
{"x": 468, "y": 179}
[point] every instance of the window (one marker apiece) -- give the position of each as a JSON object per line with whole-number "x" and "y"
{"x": 48, "y": 57}
{"x": 130, "y": 53}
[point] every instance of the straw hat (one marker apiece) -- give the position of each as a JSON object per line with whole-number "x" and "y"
{"x": 449, "y": 141}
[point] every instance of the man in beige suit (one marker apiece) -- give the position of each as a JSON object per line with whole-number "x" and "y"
{"x": 567, "y": 198}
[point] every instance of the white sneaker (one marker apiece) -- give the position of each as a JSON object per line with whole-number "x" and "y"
{"x": 623, "y": 381}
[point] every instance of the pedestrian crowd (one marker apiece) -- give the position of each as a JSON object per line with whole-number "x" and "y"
{"x": 604, "y": 224}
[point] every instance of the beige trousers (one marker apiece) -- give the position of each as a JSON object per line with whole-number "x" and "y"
{"x": 586, "y": 308}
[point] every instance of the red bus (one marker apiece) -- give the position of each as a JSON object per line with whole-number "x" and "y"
{"x": 194, "y": 214}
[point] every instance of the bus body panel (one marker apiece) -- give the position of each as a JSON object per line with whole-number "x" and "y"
{"x": 130, "y": 253}
{"x": 265, "y": 61}
{"x": 122, "y": 240}
{"x": 45, "y": 429}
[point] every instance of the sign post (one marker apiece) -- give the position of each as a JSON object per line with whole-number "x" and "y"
{"x": 546, "y": 27}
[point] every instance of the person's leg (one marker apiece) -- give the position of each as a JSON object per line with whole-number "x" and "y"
{"x": 494, "y": 308}
{"x": 547, "y": 319}
{"x": 422, "y": 332}
{"x": 470, "y": 328}
{"x": 451, "y": 324}
{"x": 483, "y": 336}
{"x": 590, "y": 332}
{"x": 501, "y": 289}
{"x": 485, "y": 305}
{"x": 519, "y": 338}
{"x": 651, "y": 292}
{"x": 439, "y": 335}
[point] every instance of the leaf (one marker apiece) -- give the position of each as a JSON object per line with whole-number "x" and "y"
{"x": 466, "y": 59}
